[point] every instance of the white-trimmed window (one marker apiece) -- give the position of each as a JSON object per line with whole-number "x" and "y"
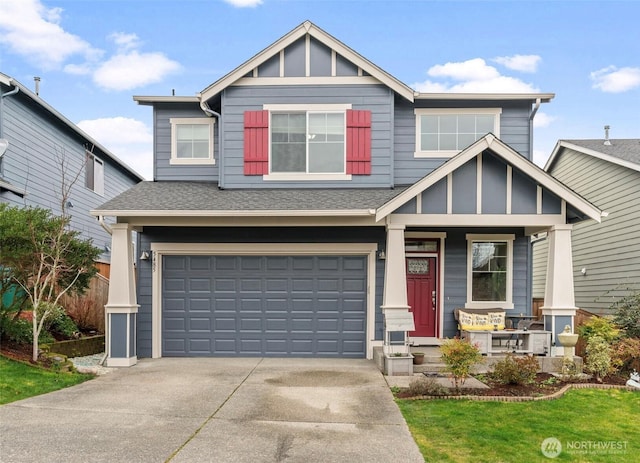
{"x": 490, "y": 271}
{"x": 192, "y": 140}
{"x": 444, "y": 132}
{"x": 94, "y": 174}
{"x": 307, "y": 141}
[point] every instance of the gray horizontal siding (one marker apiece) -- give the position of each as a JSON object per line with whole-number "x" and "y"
{"x": 609, "y": 251}
{"x": 163, "y": 170}
{"x": 376, "y": 98}
{"x": 514, "y": 131}
{"x": 37, "y": 147}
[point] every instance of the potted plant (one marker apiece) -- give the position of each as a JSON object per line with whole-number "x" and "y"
{"x": 418, "y": 358}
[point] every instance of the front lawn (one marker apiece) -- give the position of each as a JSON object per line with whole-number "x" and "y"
{"x": 19, "y": 380}
{"x": 591, "y": 425}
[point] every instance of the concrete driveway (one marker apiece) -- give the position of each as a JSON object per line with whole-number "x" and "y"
{"x": 214, "y": 410}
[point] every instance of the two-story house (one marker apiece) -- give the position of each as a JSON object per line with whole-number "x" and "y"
{"x": 307, "y": 194}
{"x": 47, "y": 161}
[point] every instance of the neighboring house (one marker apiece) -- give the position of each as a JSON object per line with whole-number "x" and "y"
{"x": 39, "y": 147}
{"x": 308, "y": 194}
{"x": 606, "y": 256}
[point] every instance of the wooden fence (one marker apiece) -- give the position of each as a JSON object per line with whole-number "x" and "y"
{"x": 87, "y": 310}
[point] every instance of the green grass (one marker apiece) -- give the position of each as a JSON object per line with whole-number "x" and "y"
{"x": 470, "y": 431}
{"x": 19, "y": 380}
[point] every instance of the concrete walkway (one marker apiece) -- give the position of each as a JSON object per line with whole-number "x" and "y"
{"x": 214, "y": 410}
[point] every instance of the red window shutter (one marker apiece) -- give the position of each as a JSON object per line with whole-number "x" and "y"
{"x": 358, "y": 142}
{"x": 256, "y": 142}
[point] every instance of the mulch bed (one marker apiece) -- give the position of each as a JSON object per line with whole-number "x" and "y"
{"x": 545, "y": 384}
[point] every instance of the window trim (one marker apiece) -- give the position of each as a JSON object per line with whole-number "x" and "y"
{"x": 307, "y": 108}
{"x": 175, "y": 122}
{"x": 503, "y": 238}
{"x": 93, "y": 159}
{"x": 496, "y": 112}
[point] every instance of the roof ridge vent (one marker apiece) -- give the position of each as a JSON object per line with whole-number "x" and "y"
{"x": 606, "y": 135}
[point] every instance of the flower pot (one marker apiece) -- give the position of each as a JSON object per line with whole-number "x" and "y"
{"x": 418, "y": 358}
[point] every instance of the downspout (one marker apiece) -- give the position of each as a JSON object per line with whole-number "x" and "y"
{"x": 531, "y": 116}
{"x": 12, "y": 92}
{"x": 211, "y": 113}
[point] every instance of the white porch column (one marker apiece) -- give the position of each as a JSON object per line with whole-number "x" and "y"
{"x": 395, "y": 275}
{"x": 122, "y": 308}
{"x": 559, "y": 301}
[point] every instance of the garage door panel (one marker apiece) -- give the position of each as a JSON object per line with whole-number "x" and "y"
{"x": 264, "y": 305}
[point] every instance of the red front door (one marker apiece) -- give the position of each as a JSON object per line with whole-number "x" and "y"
{"x": 422, "y": 295}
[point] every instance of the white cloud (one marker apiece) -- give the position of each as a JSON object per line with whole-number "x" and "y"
{"x": 133, "y": 69}
{"x": 614, "y": 80}
{"x": 540, "y": 157}
{"x": 125, "y": 41}
{"x": 244, "y": 3}
{"x": 471, "y": 76}
{"x": 31, "y": 30}
{"x": 542, "y": 120}
{"x": 129, "y": 139}
{"x": 522, "y": 63}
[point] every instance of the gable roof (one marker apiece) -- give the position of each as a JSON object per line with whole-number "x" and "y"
{"x": 504, "y": 151}
{"x": 10, "y": 81}
{"x": 314, "y": 31}
{"x": 623, "y": 152}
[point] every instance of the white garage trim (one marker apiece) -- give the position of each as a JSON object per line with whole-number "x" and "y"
{"x": 258, "y": 249}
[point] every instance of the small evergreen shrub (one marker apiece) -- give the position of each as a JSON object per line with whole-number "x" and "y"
{"x": 625, "y": 355}
{"x": 426, "y": 386}
{"x": 599, "y": 326}
{"x": 516, "y": 370}
{"x": 598, "y": 359}
{"x": 627, "y": 315}
{"x": 459, "y": 356}
{"x": 20, "y": 331}
{"x": 64, "y": 325}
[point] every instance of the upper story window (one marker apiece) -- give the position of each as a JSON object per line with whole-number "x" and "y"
{"x": 94, "y": 174}
{"x": 307, "y": 142}
{"x": 489, "y": 271}
{"x": 445, "y": 132}
{"x": 192, "y": 140}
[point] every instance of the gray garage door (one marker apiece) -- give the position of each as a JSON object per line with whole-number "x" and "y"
{"x": 264, "y": 306}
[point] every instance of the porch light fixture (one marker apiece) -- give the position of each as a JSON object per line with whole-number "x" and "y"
{"x": 382, "y": 255}
{"x": 107, "y": 248}
{"x": 144, "y": 255}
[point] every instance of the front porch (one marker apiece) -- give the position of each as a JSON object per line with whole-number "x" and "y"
{"x": 433, "y": 362}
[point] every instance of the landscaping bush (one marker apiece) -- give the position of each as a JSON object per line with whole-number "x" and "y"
{"x": 426, "y": 386}
{"x": 627, "y": 315}
{"x": 625, "y": 355}
{"x": 599, "y": 326}
{"x": 516, "y": 370}
{"x": 459, "y": 356}
{"x": 598, "y": 359}
{"x": 64, "y": 325}
{"x": 20, "y": 331}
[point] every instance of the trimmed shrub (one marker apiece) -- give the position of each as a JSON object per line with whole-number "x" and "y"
{"x": 625, "y": 355}
{"x": 599, "y": 326}
{"x": 459, "y": 356}
{"x": 426, "y": 386}
{"x": 20, "y": 331}
{"x": 516, "y": 370}
{"x": 598, "y": 359}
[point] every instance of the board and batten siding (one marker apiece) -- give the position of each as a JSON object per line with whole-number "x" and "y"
{"x": 162, "y": 167}
{"x": 31, "y": 164}
{"x": 609, "y": 251}
{"x": 376, "y": 98}
{"x": 514, "y": 131}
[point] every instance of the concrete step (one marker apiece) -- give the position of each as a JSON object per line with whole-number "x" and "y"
{"x": 429, "y": 367}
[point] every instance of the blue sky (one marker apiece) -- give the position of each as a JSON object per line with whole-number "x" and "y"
{"x": 94, "y": 55}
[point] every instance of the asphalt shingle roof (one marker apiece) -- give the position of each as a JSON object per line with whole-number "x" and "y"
{"x": 625, "y": 149}
{"x": 201, "y": 196}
